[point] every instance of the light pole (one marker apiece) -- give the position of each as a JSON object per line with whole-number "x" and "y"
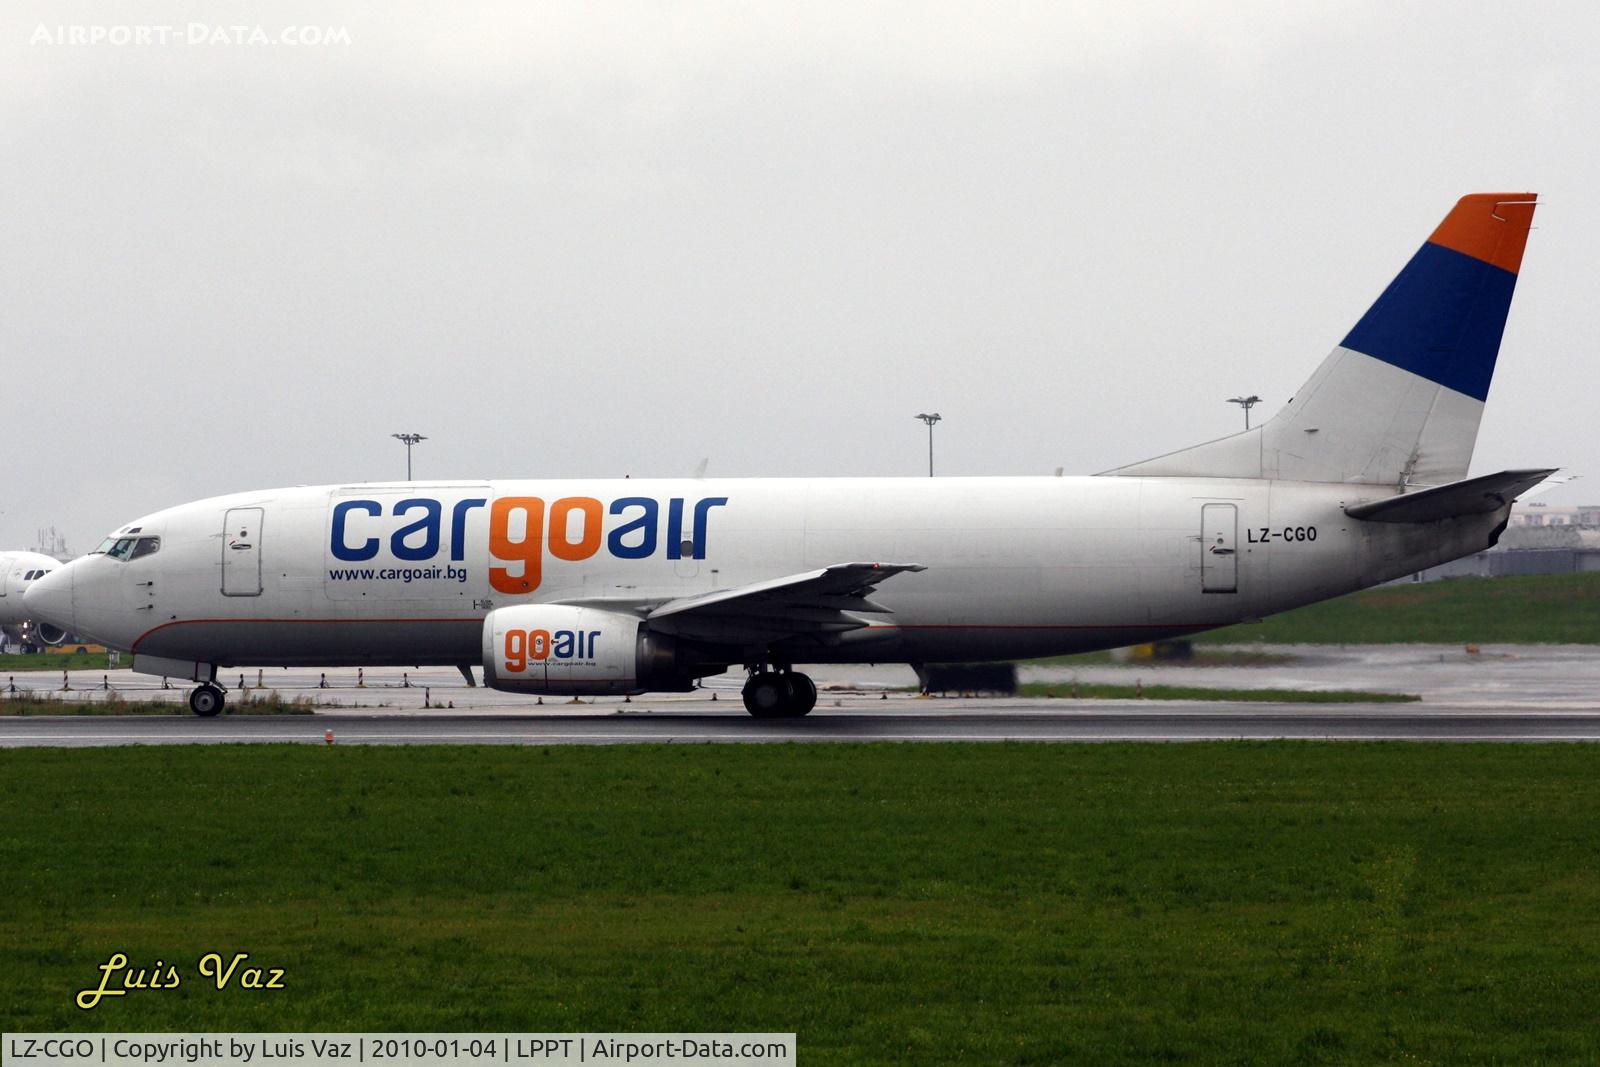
{"x": 409, "y": 439}
{"x": 1246, "y": 402}
{"x": 930, "y": 420}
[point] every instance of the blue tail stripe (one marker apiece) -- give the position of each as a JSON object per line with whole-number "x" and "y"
{"x": 1441, "y": 318}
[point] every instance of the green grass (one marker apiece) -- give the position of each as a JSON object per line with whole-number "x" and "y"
{"x": 1098, "y": 691}
{"x": 243, "y": 703}
{"x": 1526, "y": 609}
{"x": 55, "y": 661}
{"x": 1112, "y": 904}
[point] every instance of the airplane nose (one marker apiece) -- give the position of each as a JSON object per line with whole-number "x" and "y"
{"x": 49, "y": 599}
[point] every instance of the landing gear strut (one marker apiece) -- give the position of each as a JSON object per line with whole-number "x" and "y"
{"x": 779, "y": 694}
{"x": 206, "y": 700}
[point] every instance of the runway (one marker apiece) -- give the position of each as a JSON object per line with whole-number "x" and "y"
{"x": 1084, "y": 721}
{"x": 1503, "y": 693}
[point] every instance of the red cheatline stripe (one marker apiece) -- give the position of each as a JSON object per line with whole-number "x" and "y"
{"x": 335, "y": 622}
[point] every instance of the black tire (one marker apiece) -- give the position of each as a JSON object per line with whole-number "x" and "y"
{"x": 803, "y": 695}
{"x": 206, "y": 701}
{"x": 766, "y": 696}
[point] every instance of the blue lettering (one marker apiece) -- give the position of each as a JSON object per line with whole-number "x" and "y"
{"x": 701, "y": 510}
{"x": 368, "y": 548}
{"x": 675, "y": 528}
{"x": 645, "y": 524}
{"x": 428, "y": 526}
{"x": 458, "y": 526}
{"x": 564, "y": 641}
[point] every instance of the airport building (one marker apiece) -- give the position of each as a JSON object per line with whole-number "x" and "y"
{"x": 1540, "y": 539}
{"x": 1536, "y": 514}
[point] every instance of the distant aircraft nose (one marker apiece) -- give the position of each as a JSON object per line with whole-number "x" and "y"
{"x": 49, "y": 599}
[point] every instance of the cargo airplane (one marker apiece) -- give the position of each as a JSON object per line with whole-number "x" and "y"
{"x": 19, "y": 570}
{"x": 619, "y": 587}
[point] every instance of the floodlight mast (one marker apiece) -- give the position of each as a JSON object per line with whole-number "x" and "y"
{"x": 930, "y": 419}
{"x": 1246, "y": 402}
{"x": 408, "y": 439}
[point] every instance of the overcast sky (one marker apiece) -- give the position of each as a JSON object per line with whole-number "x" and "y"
{"x": 606, "y": 239}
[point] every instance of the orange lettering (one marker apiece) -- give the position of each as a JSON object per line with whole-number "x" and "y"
{"x": 516, "y": 650}
{"x": 588, "y": 542}
{"x": 526, "y": 550}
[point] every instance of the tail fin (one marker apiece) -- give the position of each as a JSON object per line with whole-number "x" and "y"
{"x": 1398, "y": 402}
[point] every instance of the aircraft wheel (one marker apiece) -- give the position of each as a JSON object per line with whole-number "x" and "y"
{"x": 766, "y": 695}
{"x": 803, "y": 695}
{"x": 207, "y": 700}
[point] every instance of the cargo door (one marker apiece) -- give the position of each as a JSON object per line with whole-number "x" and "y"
{"x": 1219, "y": 555}
{"x": 241, "y": 552}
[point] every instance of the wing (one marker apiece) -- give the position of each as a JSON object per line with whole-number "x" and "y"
{"x": 815, "y": 602}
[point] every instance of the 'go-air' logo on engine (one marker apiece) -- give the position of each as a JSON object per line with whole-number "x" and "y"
{"x": 525, "y": 647}
{"x": 522, "y": 530}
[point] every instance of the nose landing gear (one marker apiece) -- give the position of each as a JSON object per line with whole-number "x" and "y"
{"x": 779, "y": 694}
{"x": 207, "y": 699}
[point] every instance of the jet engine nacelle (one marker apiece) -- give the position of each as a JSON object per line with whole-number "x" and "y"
{"x": 46, "y": 634}
{"x": 561, "y": 650}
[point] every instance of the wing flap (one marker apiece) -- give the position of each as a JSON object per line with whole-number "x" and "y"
{"x": 823, "y": 601}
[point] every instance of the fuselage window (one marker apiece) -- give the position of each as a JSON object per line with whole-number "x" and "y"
{"x": 146, "y": 546}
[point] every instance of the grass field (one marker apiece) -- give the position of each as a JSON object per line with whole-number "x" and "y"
{"x": 1526, "y": 609}
{"x": 54, "y": 661}
{"x": 916, "y": 904}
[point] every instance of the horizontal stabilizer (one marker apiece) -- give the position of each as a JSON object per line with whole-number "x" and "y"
{"x": 1475, "y": 496}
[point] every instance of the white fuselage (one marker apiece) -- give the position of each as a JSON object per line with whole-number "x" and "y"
{"x": 18, "y": 571}
{"x": 404, "y": 574}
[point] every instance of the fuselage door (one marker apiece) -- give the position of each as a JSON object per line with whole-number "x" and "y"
{"x": 1219, "y": 550}
{"x": 241, "y": 552}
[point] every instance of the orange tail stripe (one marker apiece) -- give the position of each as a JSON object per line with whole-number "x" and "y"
{"x": 1492, "y": 227}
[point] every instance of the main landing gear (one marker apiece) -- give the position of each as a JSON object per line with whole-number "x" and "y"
{"x": 779, "y": 694}
{"x": 206, "y": 700}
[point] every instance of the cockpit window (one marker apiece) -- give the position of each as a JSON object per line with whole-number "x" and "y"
{"x": 126, "y": 548}
{"x": 104, "y": 546}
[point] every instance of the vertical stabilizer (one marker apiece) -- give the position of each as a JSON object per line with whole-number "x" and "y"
{"x": 1399, "y": 400}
